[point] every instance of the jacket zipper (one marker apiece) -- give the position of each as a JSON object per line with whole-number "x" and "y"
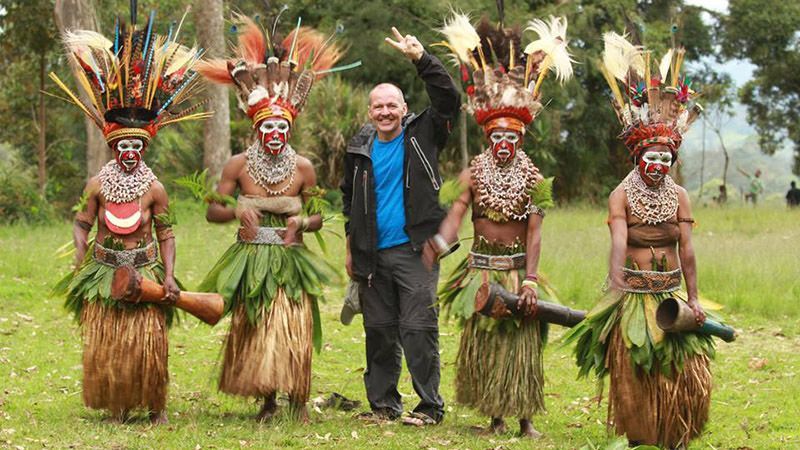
{"x": 425, "y": 163}
{"x": 408, "y": 174}
{"x": 366, "y": 212}
{"x": 365, "y": 191}
{"x": 355, "y": 174}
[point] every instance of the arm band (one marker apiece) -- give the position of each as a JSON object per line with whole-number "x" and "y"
{"x": 83, "y": 225}
{"x": 164, "y": 233}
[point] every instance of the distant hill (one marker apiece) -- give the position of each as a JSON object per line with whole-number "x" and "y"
{"x": 741, "y": 140}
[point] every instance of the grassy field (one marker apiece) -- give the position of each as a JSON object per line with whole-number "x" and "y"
{"x": 748, "y": 261}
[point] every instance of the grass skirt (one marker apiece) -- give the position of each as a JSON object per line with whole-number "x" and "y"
{"x": 125, "y": 345}
{"x": 499, "y": 364}
{"x": 272, "y": 292}
{"x": 660, "y": 387}
{"x": 272, "y": 355}
{"x": 124, "y": 358}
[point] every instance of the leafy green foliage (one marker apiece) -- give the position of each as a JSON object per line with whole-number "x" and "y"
{"x": 20, "y": 200}
{"x": 765, "y": 32}
{"x": 202, "y": 189}
{"x": 334, "y": 113}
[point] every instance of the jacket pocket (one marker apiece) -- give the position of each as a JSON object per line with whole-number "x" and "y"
{"x": 425, "y": 164}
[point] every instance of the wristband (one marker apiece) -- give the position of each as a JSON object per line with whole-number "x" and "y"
{"x": 440, "y": 244}
{"x": 532, "y": 277}
{"x": 531, "y": 284}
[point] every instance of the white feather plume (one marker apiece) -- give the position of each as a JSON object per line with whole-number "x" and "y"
{"x": 663, "y": 67}
{"x": 553, "y": 43}
{"x": 83, "y": 43}
{"x": 619, "y": 56}
{"x": 461, "y": 35}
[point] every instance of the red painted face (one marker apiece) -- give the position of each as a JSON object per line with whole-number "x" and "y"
{"x": 504, "y": 144}
{"x": 128, "y": 153}
{"x": 274, "y": 134}
{"x": 654, "y": 164}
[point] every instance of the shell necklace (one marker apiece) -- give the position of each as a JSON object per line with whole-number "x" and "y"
{"x": 268, "y": 170}
{"x": 651, "y": 204}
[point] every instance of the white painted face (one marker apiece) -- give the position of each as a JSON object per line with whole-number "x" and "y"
{"x": 274, "y": 134}
{"x": 655, "y": 164}
{"x": 504, "y": 144}
{"x": 129, "y": 153}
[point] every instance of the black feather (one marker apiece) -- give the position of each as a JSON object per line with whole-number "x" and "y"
{"x": 496, "y": 42}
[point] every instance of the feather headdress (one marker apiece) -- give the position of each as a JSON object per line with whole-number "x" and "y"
{"x": 653, "y": 108}
{"x": 498, "y": 75}
{"x": 272, "y": 76}
{"x": 136, "y": 83}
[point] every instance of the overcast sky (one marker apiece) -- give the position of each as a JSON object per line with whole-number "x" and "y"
{"x": 740, "y": 71}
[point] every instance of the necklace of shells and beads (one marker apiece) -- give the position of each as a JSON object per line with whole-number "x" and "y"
{"x": 504, "y": 191}
{"x": 654, "y": 204}
{"x": 118, "y": 186}
{"x": 268, "y": 170}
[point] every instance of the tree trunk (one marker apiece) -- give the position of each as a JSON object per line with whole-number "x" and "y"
{"x": 702, "y": 162}
{"x": 216, "y": 129}
{"x": 81, "y": 15}
{"x": 42, "y": 147}
{"x": 718, "y": 132}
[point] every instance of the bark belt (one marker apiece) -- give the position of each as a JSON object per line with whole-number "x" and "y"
{"x": 496, "y": 262}
{"x": 647, "y": 281}
{"x": 264, "y": 236}
{"x": 136, "y": 257}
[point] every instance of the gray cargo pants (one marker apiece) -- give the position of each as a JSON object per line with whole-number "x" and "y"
{"x": 400, "y": 316}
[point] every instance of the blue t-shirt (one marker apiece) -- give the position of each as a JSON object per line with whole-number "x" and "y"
{"x": 387, "y": 164}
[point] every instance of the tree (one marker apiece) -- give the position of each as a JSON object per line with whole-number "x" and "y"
{"x": 27, "y": 35}
{"x": 216, "y": 132}
{"x": 765, "y": 33}
{"x": 718, "y": 98}
{"x": 81, "y": 15}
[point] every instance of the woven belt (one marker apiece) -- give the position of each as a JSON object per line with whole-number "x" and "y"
{"x": 264, "y": 236}
{"x": 496, "y": 262}
{"x": 646, "y": 281}
{"x": 136, "y": 257}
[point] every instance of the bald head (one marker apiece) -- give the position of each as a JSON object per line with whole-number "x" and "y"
{"x": 387, "y": 90}
{"x": 386, "y": 110}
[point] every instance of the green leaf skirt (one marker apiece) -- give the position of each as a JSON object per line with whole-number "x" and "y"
{"x": 92, "y": 283}
{"x": 651, "y": 349}
{"x": 250, "y": 275}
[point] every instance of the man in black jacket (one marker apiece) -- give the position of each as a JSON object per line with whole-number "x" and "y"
{"x": 391, "y": 201}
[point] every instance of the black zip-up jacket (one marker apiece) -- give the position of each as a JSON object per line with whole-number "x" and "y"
{"x": 425, "y": 134}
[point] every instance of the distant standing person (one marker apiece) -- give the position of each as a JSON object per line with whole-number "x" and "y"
{"x": 756, "y": 186}
{"x": 390, "y": 191}
{"x": 793, "y": 196}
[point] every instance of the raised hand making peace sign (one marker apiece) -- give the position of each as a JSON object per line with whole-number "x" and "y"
{"x": 408, "y": 45}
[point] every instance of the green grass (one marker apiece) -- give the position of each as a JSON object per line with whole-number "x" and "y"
{"x": 747, "y": 261}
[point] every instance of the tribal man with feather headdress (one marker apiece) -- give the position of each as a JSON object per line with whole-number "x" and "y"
{"x": 136, "y": 84}
{"x": 271, "y": 282}
{"x": 660, "y": 382}
{"x": 499, "y": 367}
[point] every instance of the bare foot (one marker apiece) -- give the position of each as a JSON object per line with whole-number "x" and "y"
{"x": 300, "y": 412}
{"x": 497, "y": 426}
{"x": 268, "y": 410}
{"x": 526, "y": 429}
{"x": 159, "y": 418}
{"x": 119, "y": 416}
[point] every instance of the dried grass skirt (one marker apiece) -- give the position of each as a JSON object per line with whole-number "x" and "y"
{"x": 274, "y": 354}
{"x": 653, "y": 408}
{"x": 124, "y": 357}
{"x": 499, "y": 371}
